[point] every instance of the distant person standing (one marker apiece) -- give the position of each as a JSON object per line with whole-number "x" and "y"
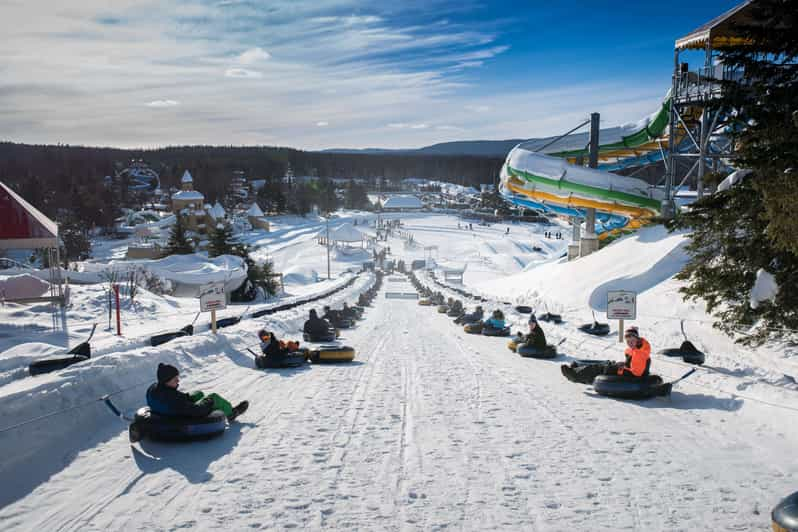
{"x": 508, "y": 231}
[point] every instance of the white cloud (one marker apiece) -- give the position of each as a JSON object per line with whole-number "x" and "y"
{"x": 242, "y": 73}
{"x": 323, "y": 123}
{"x": 253, "y": 55}
{"x": 403, "y": 125}
{"x": 163, "y": 103}
{"x": 478, "y": 108}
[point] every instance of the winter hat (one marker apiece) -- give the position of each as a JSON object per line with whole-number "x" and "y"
{"x": 631, "y": 331}
{"x": 262, "y": 333}
{"x": 532, "y": 319}
{"x": 166, "y": 373}
{"x": 313, "y": 313}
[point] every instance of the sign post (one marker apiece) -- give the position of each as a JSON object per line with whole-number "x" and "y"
{"x": 621, "y": 305}
{"x": 212, "y": 298}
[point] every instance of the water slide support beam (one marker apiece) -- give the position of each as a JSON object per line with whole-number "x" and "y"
{"x": 589, "y": 242}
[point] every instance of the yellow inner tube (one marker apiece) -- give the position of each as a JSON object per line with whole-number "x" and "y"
{"x": 424, "y": 302}
{"x": 333, "y": 354}
{"x": 512, "y": 345}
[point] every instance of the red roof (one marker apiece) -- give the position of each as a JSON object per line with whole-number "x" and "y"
{"x": 22, "y": 226}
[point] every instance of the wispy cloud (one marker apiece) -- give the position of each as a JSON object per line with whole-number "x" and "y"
{"x": 242, "y": 71}
{"x": 253, "y": 55}
{"x": 163, "y": 103}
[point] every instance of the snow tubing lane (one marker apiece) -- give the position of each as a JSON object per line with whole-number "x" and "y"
{"x": 487, "y": 331}
{"x": 165, "y": 428}
{"x": 333, "y": 353}
{"x": 691, "y": 357}
{"x": 596, "y": 329}
{"x": 785, "y": 515}
{"x": 531, "y": 352}
{"x": 628, "y": 387}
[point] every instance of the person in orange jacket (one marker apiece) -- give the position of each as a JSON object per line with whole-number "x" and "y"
{"x": 636, "y": 365}
{"x": 638, "y": 354}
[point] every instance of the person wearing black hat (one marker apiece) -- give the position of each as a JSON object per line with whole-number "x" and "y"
{"x": 536, "y": 338}
{"x": 164, "y": 399}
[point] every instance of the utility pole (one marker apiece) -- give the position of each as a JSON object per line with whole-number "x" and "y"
{"x": 328, "y": 247}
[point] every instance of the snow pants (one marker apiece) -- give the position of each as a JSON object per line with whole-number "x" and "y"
{"x": 219, "y": 403}
{"x": 585, "y": 373}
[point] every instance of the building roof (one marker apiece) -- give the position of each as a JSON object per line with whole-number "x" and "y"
{"x": 187, "y": 177}
{"x": 23, "y": 226}
{"x": 346, "y": 233}
{"x": 188, "y": 195}
{"x": 254, "y": 211}
{"x": 722, "y": 31}
{"x": 402, "y": 202}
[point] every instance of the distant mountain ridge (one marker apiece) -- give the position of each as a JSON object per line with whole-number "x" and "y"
{"x": 490, "y": 148}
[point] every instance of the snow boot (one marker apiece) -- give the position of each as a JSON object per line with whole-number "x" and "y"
{"x": 239, "y": 409}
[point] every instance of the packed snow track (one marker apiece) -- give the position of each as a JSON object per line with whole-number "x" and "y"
{"x": 428, "y": 429}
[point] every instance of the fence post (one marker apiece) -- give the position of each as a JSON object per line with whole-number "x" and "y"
{"x": 118, "y": 318}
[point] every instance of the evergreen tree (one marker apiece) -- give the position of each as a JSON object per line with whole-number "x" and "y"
{"x": 752, "y": 225}
{"x": 178, "y": 243}
{"x": 220, "y": 240}
{"x": 356, "y": 197}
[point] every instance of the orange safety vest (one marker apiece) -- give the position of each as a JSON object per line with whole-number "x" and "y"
{"x": 637, "y": 359}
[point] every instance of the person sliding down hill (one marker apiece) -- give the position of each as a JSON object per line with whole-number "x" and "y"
{"x": 332, "y": 316}
{"x": 473, "y": 317}
{"x": 316, "y": 327}
{"x": 457, "y": 308}
{"x": 362, "y": 300}
{"x": 164, "y": 399}
{"x": 536, "y": 338}
{"x": 274, "y": 351}
{"x": 496, "y": 321}
{"x": 636, "y": 365}
{"x": 349, "y": 313}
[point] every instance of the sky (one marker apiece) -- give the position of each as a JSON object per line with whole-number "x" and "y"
{"x": 330, "y": 73}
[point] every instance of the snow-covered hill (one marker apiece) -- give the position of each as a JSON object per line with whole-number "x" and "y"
{"x": 429, "y": 428}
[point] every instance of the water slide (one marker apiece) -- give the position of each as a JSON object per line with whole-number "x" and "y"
{"x": 552, "y": 183}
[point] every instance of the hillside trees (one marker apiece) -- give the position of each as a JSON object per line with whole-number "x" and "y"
{"x": 753, "y": 225}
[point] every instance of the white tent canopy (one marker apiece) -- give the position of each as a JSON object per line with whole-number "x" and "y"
{"x": 345, "y": 233}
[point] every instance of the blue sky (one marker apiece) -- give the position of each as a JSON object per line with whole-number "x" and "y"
{"x": 330, "y": 73}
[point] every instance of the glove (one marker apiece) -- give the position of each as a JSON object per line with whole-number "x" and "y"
{"x": 208, "y": 401}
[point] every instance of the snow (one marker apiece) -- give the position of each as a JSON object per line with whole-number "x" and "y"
{"x": 254, "y": 211}
{"x": 217, "y": 211}
{"x": 733, "y": 178}
{"x": 346, "y": 233}
{"x": 187, "y": 177}
{"x": 765, "y": 288}
{"x": 429, "y": 428}
{"x": 22, "y": 286}
{"x": 402, "y": 202}
{"x": 188, "y": 195}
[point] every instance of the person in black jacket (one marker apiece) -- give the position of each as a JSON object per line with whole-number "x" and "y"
{"x": 164, "y": 399}
{"x": 536, "y": 337}
{"x": 316, "y": 327}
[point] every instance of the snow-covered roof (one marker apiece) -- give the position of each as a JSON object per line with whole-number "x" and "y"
{"x": 217, "y": 211}
{"x": 187, "y": 177}
{"x": 402, "y": 202}
{"x": 254, "y": 211}
{"x": 188, "y": 195}
{"x": 346, "y": 233}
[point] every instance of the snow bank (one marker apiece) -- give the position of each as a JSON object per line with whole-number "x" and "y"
{"x": 765, "y": 288}
{"x": 22, "y": 286}
{"x": 300, "y": 275}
